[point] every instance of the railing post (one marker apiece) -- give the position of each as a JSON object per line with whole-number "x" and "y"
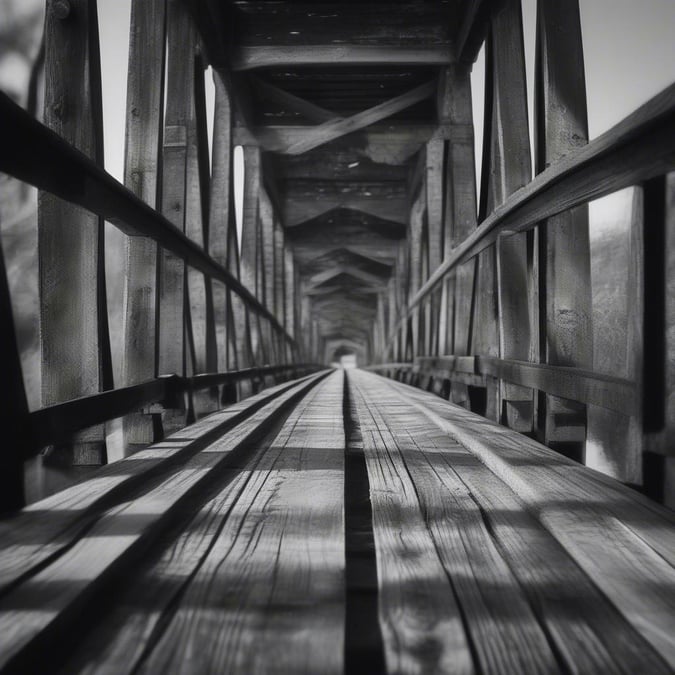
{"x": 222, "y": 235}
{"x": 509, "y": 168}
{"x": 172, "y": 325}
{"x": 73, "y": 314}
{"x": 145, "y": 102}
{"x": 564, "y": 250}
{"x": 460, "y": 215}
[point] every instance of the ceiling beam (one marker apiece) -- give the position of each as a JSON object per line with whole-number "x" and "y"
{"x": 330, "y": 131}
{"x": 270, "y": 56}
{"x": 311, "y": 111}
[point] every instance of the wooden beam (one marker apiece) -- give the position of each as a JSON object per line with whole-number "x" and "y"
{"x": 36, "y": 155}
{"x": 144, "y": 132}
{"x": 565, "y": 314}
{"x": 311, "y": 111}
{"x": 330, "y": 131}
{"x": 70, "y": 239}
{"x": 275, "y": 56}
{"x": 511, "y": 169}
{"x": 637, "y": 148}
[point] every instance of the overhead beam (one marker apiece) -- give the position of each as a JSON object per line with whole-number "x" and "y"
{"x": 298, "y": 211}
{"x": 311, "y": 111}
{"x": 329, "y": 131}
{"x": 271, "y": 56}
{"x": 351, "y": 270}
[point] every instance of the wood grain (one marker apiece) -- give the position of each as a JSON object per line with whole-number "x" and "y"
{"x": 504, "y": 632}
{"x": 624, "y": 542}
{"x": 277, "y": 568}
{"x": 420, "y": 619}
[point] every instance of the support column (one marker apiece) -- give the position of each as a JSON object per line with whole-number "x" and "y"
{"x": 456, "y": 113}
{"x": 509, "y": 168}
{"x": 144, "y": 138}
{"x": 564, "y": 251}
{"x": 73, "y": 313}
{"x": 172, "y": 326}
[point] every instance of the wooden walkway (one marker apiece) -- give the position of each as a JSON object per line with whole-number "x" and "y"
{"x": 340, "y": 523}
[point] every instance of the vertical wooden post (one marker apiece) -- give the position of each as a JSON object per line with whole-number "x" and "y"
{"x": 509, "y": 167}
{"x": 249, "y": 232}
{"x": 220, "y": 214}
{"x": 200, "y": 287}
{"x": 564, "y": 250}
{"x": 415, "y": 276}
{"x": 435, "y": 152}
{"x": 73, "y": 314}
{"x": 460, "y": 220}
{"x": 144, "y": 126}
{"x": 172, "y": 305}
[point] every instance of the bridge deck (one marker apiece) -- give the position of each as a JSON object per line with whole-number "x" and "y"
{"x": 340, "y": 523}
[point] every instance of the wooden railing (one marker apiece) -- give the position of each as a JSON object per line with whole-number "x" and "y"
{"x": 503, "y": 323}
{"x": 182, "y": 250}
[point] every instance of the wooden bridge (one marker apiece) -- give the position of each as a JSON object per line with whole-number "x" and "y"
{"x": 439, "y": 508}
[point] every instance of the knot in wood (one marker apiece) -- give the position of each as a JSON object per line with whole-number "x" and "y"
{"x": 61, "y": 9}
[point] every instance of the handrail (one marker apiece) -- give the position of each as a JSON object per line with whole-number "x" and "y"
{"x": 37, "y": 155}
{"x": 577, "y": 384}
{"x": 56, "y": 423}
{"x": 639, "y": 147}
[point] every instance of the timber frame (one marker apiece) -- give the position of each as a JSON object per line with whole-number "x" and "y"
{"x": 362, "y": 228}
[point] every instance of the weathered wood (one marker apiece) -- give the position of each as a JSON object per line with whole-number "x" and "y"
{"x": 143, "y": 141}
{"x": 585, "y": 512}
{"x": 564, "y": 250}
{"x": 461, "y": 214}
{"x": 419, "y": 615}
{"x": 249, "y": 58}
{"x": 220, "y": 240}
{"x": 484, "y": 585}
{"x": 277, "y": 566}
{"x": 40, "y": 157}
{"x": 639, "y": 147}
{"x": 511, "y": 169}
{"x": 100, "y": 551}
{"x": 312, "y": 112}
{"x": 434, "y": 183}
{"x": 329, "y": 131}
{"x": 69, "y": 238}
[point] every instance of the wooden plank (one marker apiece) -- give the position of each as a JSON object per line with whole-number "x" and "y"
{"x": 143, "y": 140}
{"x": 588, "y": 632}
{"x": 68, "y": 237}
{"x": 250, "y": 58}
{"x": 30, "y": 539}
{"x": 365, "y": 23}
{"x": 622, "y": 541}
{"x": 485, "y": 587}
{"x": 101, "y": 551}
{"x": 330, "y": 131}
{"x": 420, "y": 619}
{"x": 40, "y": 157}
{"x": 277, "y": 566}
